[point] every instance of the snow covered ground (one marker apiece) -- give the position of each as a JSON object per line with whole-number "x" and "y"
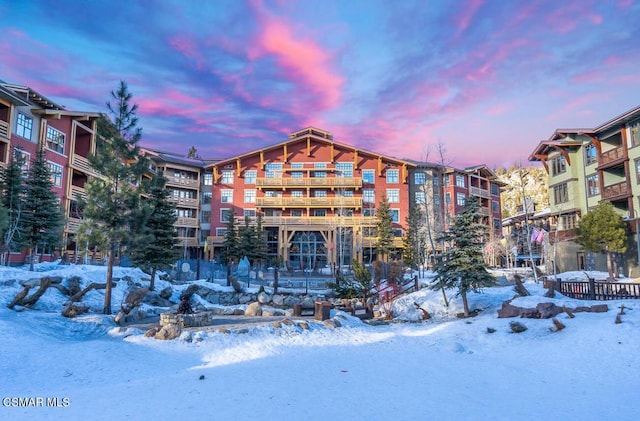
{"x": 441, "y": 369}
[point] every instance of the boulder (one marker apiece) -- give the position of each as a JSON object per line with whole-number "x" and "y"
{"x": 168, "y": 332}
{"x": 264, "y": 298}
{"x": 599, "y": 308}
{"x": 290, "y": 301}
{"x": 253, "y": 309}
{"x": 508, "y": 310}
{"x": 548, "y": 310}
{"x": 278, "y": 299}
{"x": 166, "y": 293}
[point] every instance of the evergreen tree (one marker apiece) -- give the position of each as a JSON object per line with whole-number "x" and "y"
{"x": 247, "y": 240}
{"x": 413, "y": 242}
{"x": 384, "y": 228}
{"x": 112, "y": 198}
{"x": 12, "y": 186}
{"x": 462, "y": 266}
{"x": 230, "y": 250}
{"x": 155, "y": 243}
{"x": 260, "y": 249}
{"x": 603, "y": 230}
{"x": 42, "y": 221}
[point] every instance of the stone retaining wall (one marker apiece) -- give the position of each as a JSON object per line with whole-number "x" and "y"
{"x": 202, "y": 318}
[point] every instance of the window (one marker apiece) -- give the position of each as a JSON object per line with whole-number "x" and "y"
{"x": 23, "y": 158}
{"x": 273, "y": 193}
{"x": 395, "y": 215}
{"x": 567, "y": 222}
{"x": 368, "y": 196}
{"x": 225, "y": 214}
{"x": 368, "y": 176}
{"x": 297, "y": 193}
{"x": 393, "y": 195}
{"x": 319, "y": 165}
{"x": 319, "y": 212}
{"x": 206, "y": 197}
{"x": 369, "y": 212}
{"x": 497, "y": 224}
{"x": 436, "y": 199}
{"x": 205, "y": 217}
{"x": 207, "y": 179}
{"x": 495, "y": 190}
{"x": 344, "y": 193}
{"x": 447, "y": 180}
{"x": 593, "y": 185}
{"x": 24, "y": 126}
{"x": 296, "y": 212}
{"x": 495, "y": 206}
{"x": 460, "y": 199}
{"x": 460, "y": 180}
{"x": 320, "y": 174}
{"x": 226, "y": 196}
{"x": 227, "y": 177}
{"x": 221, "y": 232}
{"x": 250, "y": 213}
{"x": 419, "y": 178}
{"x": 393, "y": 176}
{"x": 250, "y": 196}
{"x": 344, "y": 169}
{"x": 590, "y": 154}
{"x": 447, "y": 198}
{"x": 55, "y": 139}
{"x": 558, "y": 165}
{"x": 436, "y": 181}
{"x": 320, "y": 193}
{"x": 560, "y": 194}
{"x": 421, "y": 197}
{"x": 56, "y": 173}
{"x": 635, "y": 133}
{"x": 250, "y": 176}
{"x": 273, "y": 170}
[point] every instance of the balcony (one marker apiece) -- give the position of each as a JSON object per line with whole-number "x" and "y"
{"x": 4, "y": 129}
{"x": 324, "y": 182}
{"x": 616, "y": 191}
{"x": 612, "y": 157}
{"x": 186, "y": 222}
{"x": 182, "y": 182}
{"x": 77, "y": 191}
{"x": 476, "y": 191}
{"x": 331, "y": 221}
{"x": 370, "y": 242}
{"x": 309, "y": 202}
{"x": 82, "y": 163}
{"x": 188, "y": 242}
{"x": 183, "y": 201}
{"x": 73, "y": 224}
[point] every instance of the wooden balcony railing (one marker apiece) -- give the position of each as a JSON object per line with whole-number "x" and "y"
{"x": 77, "y": 191}
{"x": 187, "y": 222}
{"x": 188, "y": 241}
{"x": 4, "y": 129}
{"x": 82, "y": 163}
{"x": 612, "y": 155}
{"x": 183, "y": 182}
{"x": 619, "y": 189}
{"x": 303, "y": 202}
{"x": 73, "y": 224}
{"x": 476, "y": 191}
{"x": 183, "y": 201}
{"x": 335, "y": 221}
{"x": 328, "y": 182}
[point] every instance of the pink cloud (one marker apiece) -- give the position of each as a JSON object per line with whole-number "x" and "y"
{"x": 303, "y": 60}
{"x": 464, "y": 18}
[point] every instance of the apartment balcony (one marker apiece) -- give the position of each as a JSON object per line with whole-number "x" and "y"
{"x": 612, "y": 158}
{"x": 484, "y": 211}
{"x": 77, "y": 191}
{"x": 319, "y": 221}
{"x": 82, "y": 163}
{"x": 182, "y": 182}
{"x": 309, "y": 202}
{"x": 476, "y": 191}
{"x": 73, "y": 224}
{"x": 618, "y": 191}
{"x": 4, "y": 129}
{"x": 188, "y": 242}
{"x": 321, "y": 182}
{"x": 216, "y": 240}
{"x": 186, "y": 222}
{"x": 185, "y": 202}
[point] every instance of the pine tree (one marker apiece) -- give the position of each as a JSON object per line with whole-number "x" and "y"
{"x": 260, "y": 249}
{"x": 155, "y": 244}
{"x": 42, "y": 221}
{"x": 12, "y": 186}
{"x": 113, "y": 198}
{"x": 462, "y": 266}
{"x": 230, "y": 250}
{"x": 413, "y": 242}
{"x": 384, "y": 228}
{"x": 603, "y": 230}
{"x": 247, "y": 240}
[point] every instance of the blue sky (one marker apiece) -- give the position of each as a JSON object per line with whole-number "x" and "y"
{"x": 486, "y": 79}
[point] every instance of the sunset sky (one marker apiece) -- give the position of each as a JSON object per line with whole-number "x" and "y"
{"x": 486, "y": 79}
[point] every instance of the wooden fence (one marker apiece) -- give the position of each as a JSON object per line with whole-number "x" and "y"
{"x": 597, "y": 290}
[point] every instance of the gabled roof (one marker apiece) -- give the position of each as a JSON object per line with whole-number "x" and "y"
{"x": 318, "y": 136}
{"x": 11, "y": 96}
